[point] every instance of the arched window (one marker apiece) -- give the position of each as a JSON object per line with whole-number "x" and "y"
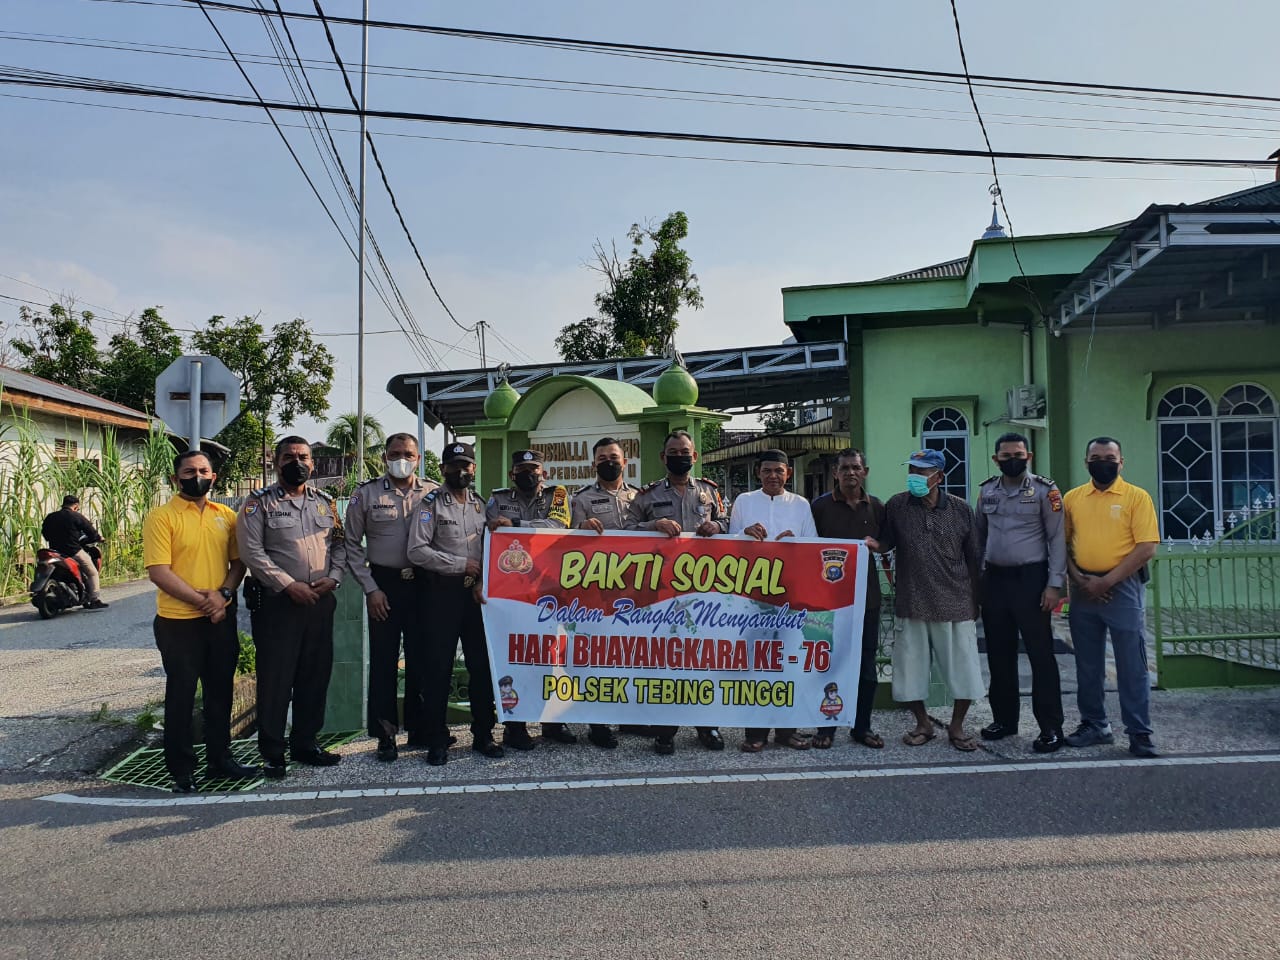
{"x": 1215, "y": 462}
{"x": 947, "y": 429}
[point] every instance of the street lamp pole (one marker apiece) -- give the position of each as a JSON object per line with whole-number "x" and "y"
{"x": 364, "y": 92}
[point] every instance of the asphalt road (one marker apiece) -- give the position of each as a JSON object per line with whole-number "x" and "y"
{"x": 1161, "y": 861}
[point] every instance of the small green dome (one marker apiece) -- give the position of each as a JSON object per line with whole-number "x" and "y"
{"x": 499, "y": 404}
{"x": 675, "y": 388}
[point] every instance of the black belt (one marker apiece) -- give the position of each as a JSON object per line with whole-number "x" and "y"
{"x": 1018, "y": 568}
{"x": 404, "y": 573}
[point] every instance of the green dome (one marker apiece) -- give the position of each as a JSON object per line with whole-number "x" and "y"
{"x": 675, "y": 388}
{"x": 499, "y": 404}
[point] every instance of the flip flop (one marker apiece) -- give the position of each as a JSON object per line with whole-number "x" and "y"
{"x": 964, "y": 743}
{"x": 752, "y": 746}
{"x": 914, "y": 738}
{"x": 821, "y": 741}
{"x": 868, "y": 739}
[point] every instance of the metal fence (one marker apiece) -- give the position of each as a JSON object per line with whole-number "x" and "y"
{"x": 1215, "y": 607}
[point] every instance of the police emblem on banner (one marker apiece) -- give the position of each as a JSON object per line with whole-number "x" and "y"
{"x": 833, "y": 562}
{"x": 832, "y": 703}
{"x": 515, "y": 559}
{"x": 509, "y": 696}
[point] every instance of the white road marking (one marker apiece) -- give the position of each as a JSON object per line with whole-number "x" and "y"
{"x": 438, "y": 790}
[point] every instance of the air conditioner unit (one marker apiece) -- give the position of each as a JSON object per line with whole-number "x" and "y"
{"x": 1026, "y": 402}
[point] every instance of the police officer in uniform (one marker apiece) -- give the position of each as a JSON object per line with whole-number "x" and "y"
{"x": 290, "y": 538}
{"x": 1020, "y": 525}
{"x": 447, "y": 540}
{"x": 528, "y": 502}
{"x": 602, "y": 506}
{"x": 381, "y": 512}
{"x": 677, "y": 504}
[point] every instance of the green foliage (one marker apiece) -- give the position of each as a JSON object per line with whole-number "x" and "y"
{"x": 64, "y": 348}
{"x": 342, "y": 436}
{"x": 432, "y": 466}
{"x": 637, "y": 309}
{"x": 243, "y": 436}
{"x": 135, "y": 357}
{"x": 247, "y": 661}
{"x": 779, "y": 420}
{"x": 147, "y": 717}
{"x": 712, "y": 437}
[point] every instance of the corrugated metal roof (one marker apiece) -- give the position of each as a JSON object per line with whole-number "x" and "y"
{"x": 950, "y": 268}
{"x": 21, "y": 382}
{"x": 1263, "y": 195}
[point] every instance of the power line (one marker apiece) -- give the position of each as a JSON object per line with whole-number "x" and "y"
{"x": 123, "y": 89}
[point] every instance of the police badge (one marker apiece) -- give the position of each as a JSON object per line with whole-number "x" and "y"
{"x": 833, "y": 565}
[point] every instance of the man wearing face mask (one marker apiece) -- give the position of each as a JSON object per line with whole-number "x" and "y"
{"x": 530, "y": 503}
{"x": 602, "y": 506}
{"x": 1112, "y": 533}
{"x": 382, "y": 511}
{"x": 189, "y": 548}
{"x": 677, "y": 504}
{"x": 936, "y": 576}
{"x": 447, "y": 540}
{"x": 291, "y": 540}
{"x": 1024, "y": 570}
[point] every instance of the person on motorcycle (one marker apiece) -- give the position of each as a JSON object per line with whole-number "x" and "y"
{"x": 69, "y": 532}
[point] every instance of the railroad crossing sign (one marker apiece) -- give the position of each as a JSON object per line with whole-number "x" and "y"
{"x": 200, "y": 376}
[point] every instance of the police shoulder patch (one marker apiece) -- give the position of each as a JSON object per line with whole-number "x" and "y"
{"x": 1045, "y": 480}
{"x": 431, "y": 497}
{"x": 651, "y": 486}
{"x": 499, "y": 490}
{"x": 250, "y": 508}
{"x": 995, "y": 476}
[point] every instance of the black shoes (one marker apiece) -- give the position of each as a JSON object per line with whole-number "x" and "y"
{"x": 602, "y": 736}
{"x": 417, "y": 741}
{"x": 998, "y": 731}
{"x": 99, "y": 605}
{"x": 487, "y": 748}
{"x": 184, "y": 785}
{"x": 710, "y": 738}
{"x": 517, "y": 738}
{"x": 1140, "y": 745}
{"x": 439, "y": 756}
{"x": 228, "y": 768}
{"x": 1048, "y": 741}
{"x": 316, "y": 757}
{"x": 387, "y": 751}
{"x": 274, "y": 769}
{"x": 664, "y": 746}
{"x": 559, "y": 733}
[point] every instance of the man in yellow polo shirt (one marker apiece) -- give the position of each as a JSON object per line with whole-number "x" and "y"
{"x": 189, "y": 548}
{"x": 1111, "y": 534}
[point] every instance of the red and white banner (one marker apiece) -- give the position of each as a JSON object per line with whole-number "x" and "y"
{"x": 639, "y": 628}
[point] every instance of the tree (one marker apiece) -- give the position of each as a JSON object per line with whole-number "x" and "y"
{"x": 779, "y": 419}
{"x": 283, "y": 374}
{"x": 342, "y": 436}
{"x": 135, "y": 357}
{"x": 243, "y": 436}
{"x": 637, "y": 309}
{"x": 64, "y": 348}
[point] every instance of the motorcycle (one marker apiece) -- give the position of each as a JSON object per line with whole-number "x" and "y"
{"x": 58, "y": 584}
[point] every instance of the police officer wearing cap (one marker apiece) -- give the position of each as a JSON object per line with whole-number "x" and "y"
{"x": 528, "y": 502}
{"x": 290, "y": 538}
{"x": 447, "y": 540}
{"x": 602, "y": 506}
{"x": 380, "y": 514}
{"x": 1020, "y": 526}
{"x": 677, "y": 504}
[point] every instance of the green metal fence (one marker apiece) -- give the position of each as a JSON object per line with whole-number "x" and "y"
{"x": 1216, "y": 610}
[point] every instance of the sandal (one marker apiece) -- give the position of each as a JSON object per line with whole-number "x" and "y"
{"x": 821, "y": 741}
{"x": 867, "y": 738}
{"x": 917, "y": 738}
{"x": 752, "y": 746}
{"x": 964, "y": 742}
{"x": 795, "y": 741}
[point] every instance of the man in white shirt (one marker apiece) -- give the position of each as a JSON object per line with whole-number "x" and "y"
{"x": 772, "y": 513}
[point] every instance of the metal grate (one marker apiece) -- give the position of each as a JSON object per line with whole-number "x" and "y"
{"x": 145, "y": 767}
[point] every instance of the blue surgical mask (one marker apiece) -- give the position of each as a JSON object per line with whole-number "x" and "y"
{"x": 917, "y": 484}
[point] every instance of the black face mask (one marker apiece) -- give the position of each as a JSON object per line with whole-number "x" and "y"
{"x": 526, "y": 481}
{"x": 1104, "y": 471}
{"x": 608, "y": 471}
{"x": 195, "y": 487}
{"x": 679, "y": 464}
{"x": 1012, "y": 468}
{"x": 294, "y": 473}
{"x": 457, "y": 479}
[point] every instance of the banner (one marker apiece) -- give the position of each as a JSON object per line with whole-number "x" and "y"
{"x": 641, "y": 628}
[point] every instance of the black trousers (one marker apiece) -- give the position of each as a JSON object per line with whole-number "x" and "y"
{"x": 407, "y": 620}
{"x": 1011, "y": 606}
{"x": 455, "y": 616}
{"x": 295, "y": 658}
{"x": 868, "y": 678}
{"x": 196, "y": 650}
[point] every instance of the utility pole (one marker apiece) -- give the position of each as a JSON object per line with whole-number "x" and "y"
{"x": 480, "y": 325}
{"x": 364, "y": 92}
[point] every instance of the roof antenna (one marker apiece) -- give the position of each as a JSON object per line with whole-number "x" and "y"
{"x": 995, "y": 231}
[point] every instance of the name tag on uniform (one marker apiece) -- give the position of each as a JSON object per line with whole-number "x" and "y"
{"x": 382, "y": 515}
{"x": 601, "y": 506}
{"x": 276, "y": 523}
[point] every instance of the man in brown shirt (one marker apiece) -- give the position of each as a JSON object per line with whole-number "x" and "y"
{"x": 936, "y": 576}
{"x": 850, "y": 513}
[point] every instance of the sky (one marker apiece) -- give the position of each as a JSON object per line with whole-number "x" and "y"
{"x": 122, "y": 209}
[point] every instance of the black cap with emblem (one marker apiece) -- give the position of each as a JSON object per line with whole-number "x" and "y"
{"x": 526, "y": 456}
{"x": 458, "y": 450}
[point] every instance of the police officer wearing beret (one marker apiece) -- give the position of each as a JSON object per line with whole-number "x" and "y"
{"x": 528, "y": 502}
{"x": 381, "y": 513}
{"x": 677, "y": 504}
{"x": 290, "y": 538}
{"x": 447, "y": 540}
{"x": 1020, "y": 527}
{"x": 602, "y": 506}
